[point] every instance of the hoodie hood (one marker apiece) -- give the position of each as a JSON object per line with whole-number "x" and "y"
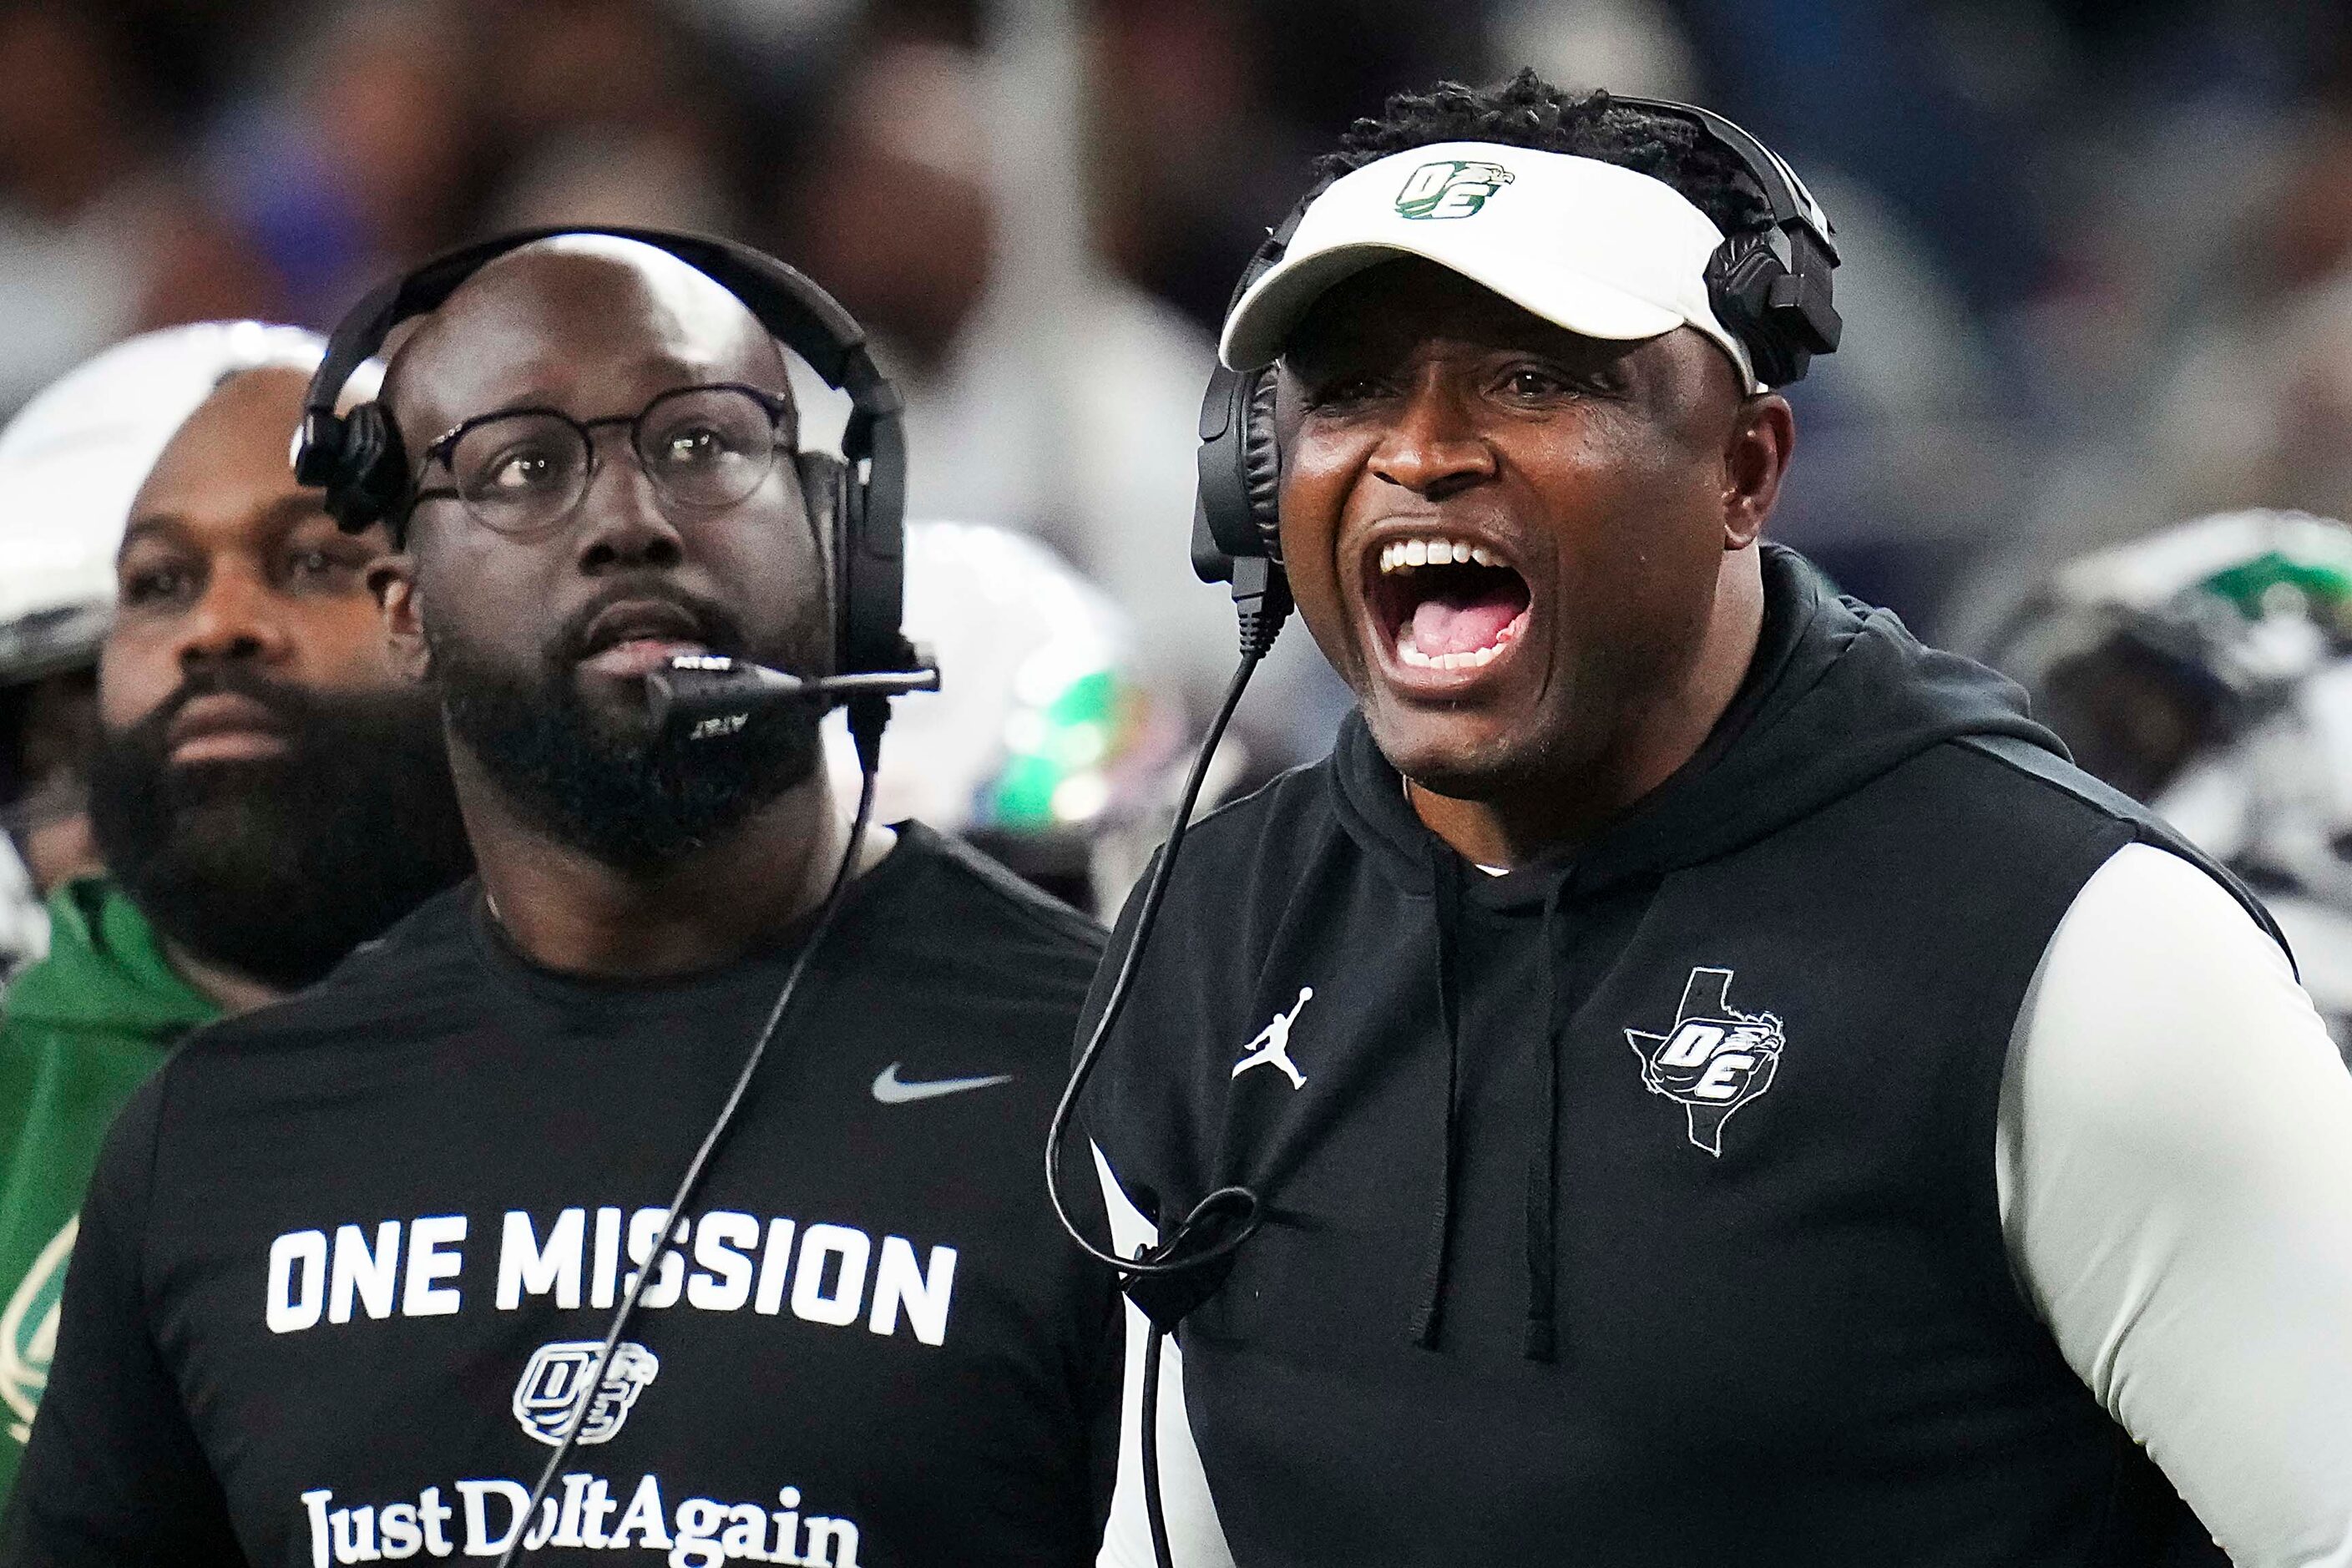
{"x": 105, "y": 973}
{"x": 1839, "y": 693}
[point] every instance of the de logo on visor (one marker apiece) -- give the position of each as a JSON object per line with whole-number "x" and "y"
{"x": 1713, "y": 1059}
{"x": 1451, "y": 187}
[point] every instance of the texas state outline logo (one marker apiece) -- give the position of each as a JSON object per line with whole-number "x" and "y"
{"x": 1713, "y": 1060}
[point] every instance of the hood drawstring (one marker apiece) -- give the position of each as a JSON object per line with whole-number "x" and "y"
{"x": 1543, "y": 1160}
{"x": 1445, "y": 887}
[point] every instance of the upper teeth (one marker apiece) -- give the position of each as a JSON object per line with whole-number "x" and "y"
{"x": 1404, "y": 554}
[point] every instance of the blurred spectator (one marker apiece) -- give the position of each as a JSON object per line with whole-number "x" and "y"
{"x": 613, "y": 112}
{"x": 1076, "y": 421}
{"x": 70, "y": 462}
{"x": 2096, "y": 249}
{"x": 97, "y": 239}
{"x": 364, "y": 153}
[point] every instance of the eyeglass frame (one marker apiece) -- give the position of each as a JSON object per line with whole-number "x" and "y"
{"x": 778, "y": 409}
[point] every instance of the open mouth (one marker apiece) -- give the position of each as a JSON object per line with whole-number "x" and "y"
{"x": 1445, "y": 602}
{"x": 636, "y": 637}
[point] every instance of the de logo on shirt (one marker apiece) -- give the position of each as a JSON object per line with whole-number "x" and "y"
{"x": 1713, "y": 1059}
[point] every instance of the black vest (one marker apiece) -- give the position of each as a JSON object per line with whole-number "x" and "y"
{"x": 1639, "y": 1208}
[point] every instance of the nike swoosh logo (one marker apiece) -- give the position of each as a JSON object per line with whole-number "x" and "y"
{"x": 891, "y": 1089}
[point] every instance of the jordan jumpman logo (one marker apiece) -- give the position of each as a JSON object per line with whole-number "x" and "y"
{"x": 1273, "y": 1044}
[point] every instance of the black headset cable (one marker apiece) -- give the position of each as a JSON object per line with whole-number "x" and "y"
{"x": 1221, "y": 1221}
{"x": 1187, "y": 1263}
{"x": 692, "y": 1180}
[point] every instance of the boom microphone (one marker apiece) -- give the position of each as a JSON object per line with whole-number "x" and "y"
{"x": 717, "y": 694}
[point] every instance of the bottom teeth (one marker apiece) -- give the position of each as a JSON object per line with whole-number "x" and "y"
{"x": 1411, "y": 654}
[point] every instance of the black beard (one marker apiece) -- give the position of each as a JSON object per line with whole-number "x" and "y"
{"x": 615, "y": 787}
{"x": 278, "y": 867}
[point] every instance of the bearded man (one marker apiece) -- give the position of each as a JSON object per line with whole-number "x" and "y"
{"x": 390, "y": 1221}
{"x": 266, "y": 792}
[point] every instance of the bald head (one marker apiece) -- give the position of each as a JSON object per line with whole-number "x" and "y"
{"x": 519, "y": 331}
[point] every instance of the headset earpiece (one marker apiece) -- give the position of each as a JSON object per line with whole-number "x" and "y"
{"x": 824, "y": 487}
{"x": 1225, "y": 514}
{"x": 316, "y": 442}
{"x": 824, "y": 491}
{"x": 1784, "y": 318}
{"x": 874, "y": 527}
{"x": 372, "y": 477}
{"x": 1740, "y": 277}
{"x": 357, "y": 458}
{"x": 1770, "y": 288}
{"x": 1261, "y": 463}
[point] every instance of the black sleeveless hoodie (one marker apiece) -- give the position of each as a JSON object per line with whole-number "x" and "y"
{"x": 1638, "y": 1206}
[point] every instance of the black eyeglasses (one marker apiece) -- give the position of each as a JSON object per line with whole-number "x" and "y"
{"x": 522, "y": 470}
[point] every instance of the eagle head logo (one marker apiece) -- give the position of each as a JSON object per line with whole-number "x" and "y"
{"x": 1450, "y": 187}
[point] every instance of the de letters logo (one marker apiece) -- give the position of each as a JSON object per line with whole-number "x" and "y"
{"x": 1713, "y": 1059}
{"x": 1451, "y": 187}
{"x": 553, "y": 1386}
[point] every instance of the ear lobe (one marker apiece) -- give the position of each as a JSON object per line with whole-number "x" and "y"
{"x": 1755, "y": 459}
{"x": 392, "y": 581}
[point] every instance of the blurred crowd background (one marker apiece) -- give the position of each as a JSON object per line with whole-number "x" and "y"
{"x": 2098, "y": 252}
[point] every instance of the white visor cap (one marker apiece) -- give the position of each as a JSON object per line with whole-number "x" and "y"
{"x": 1600, "y": 250}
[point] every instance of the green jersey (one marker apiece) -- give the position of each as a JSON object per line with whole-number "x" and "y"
{"x": 79, "y": 1031}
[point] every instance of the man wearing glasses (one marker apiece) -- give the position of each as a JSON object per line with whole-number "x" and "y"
{"x": 348, "y": 1265}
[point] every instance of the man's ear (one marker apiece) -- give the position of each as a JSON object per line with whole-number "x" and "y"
{"x": 393, "y": 580}
{"x": 1754, "y": 459}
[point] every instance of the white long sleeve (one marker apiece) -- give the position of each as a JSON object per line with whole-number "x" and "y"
{"x": 1195, "y": 1539}
{"x": 2174, "y": 1165}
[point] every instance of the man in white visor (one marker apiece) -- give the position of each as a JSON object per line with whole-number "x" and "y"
{"x": 1713, "y": 1083}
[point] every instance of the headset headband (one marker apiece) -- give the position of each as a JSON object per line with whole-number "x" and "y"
{"x": 819, "y": 330}
{"x": 1791, "y": 201}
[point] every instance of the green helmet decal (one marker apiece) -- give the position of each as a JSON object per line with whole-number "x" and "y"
{"x": 2276, "y": 583}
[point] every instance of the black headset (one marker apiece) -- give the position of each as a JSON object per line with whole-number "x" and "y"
{"x": 1768, "y": 287}
{"x": 857, "y": 500}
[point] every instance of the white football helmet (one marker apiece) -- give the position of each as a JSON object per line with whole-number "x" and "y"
{"x": 2207, "y": 671}
{"x": 1046, "y": 744}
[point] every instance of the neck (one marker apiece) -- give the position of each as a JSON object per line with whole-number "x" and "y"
{"x": 1662, "y": 731}
{"x": 228, "y": 990}
{"x": 568, "y": 912}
